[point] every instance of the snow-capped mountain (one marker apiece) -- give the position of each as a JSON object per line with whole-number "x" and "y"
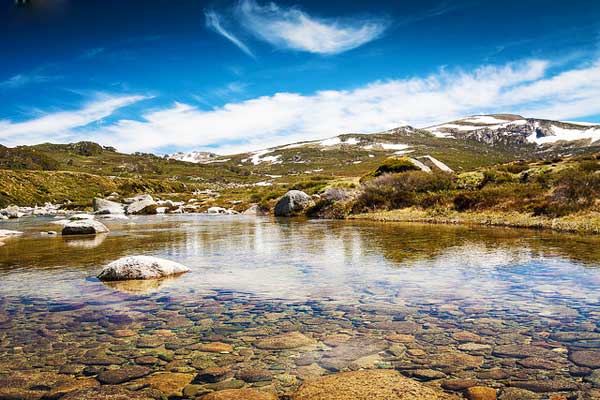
{"x": 197, "y": 157}
{"x": 514, "y": 129}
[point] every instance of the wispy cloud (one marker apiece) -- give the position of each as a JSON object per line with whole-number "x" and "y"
{"x": 530, "y": 87}
{"x": 54, "y": 126}
{"x": 292, "y": 28}
{"x": 213, "y": 21}
{"x": 20, "y": 80}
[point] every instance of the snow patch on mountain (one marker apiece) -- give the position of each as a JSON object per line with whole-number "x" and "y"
{"x": 192, "y": 156}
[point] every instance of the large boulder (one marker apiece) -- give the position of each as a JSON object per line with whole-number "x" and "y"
{"x": 377, "y": 384}
{"x": 84, "y": 227}
{"x": 140, "y": 267}
{"x": 145, "y": 205}
{"x": 291, "y": 203}
{"x": 102, "y": 206}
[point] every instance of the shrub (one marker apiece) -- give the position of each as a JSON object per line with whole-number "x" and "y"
{"x": 392, "y": 191}
{"x": 391, "y": 166}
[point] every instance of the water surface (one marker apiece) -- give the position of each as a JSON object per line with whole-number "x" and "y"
{"x": 502, "y": 307}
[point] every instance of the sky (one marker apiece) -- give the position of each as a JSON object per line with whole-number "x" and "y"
{"x": 231, "y": 76}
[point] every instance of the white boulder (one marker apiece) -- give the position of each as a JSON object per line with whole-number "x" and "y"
{"x": 140, "y": 267}
{"x": 103, "y": 206}
{"x": 292, "y": 202}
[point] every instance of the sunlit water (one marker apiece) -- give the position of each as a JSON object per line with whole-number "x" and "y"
{"x": 453, "y": 294}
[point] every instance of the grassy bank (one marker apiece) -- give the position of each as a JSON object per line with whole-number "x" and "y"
{"x": 585, "y": 222}
{"x": 27, "y": 188}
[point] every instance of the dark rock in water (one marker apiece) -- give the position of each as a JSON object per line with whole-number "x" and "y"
{"x": 213, "y": 375}
{"x": 425, "y": 374}
{"x": 586, "y": 358}
{"x": 108, "y": 392}
{"x": 291, "y": 203}
{"x": 458, "y": 385}
{"x": 84, "y": 227}
{"x": 546, "y": 385}
{"x": 253, "y": 375}
{"x": 290, "y": 340}
{"x": 32, "y": 385}
{"x": 66, "y": 307}
{"x": 522, "y": 351}
{"x": 239, "y": 394}
{"x": 594, "y": 378}
{"x": 125, "y": 374}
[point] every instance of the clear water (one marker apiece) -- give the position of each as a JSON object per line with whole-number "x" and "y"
{"x": 352, "y": 287}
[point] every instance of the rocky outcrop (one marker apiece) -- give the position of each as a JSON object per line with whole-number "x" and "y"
{"x": 84, "y": 227}
{"x": 292, "y": 203}
{"x": 140, "y": 267}
{"x": 367, "y": 385}
{"x": 102, "y": 206}
{"x": 12, "y": 212}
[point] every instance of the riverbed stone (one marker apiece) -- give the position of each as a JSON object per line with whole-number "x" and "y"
{"x": 169, "y": 383}
{"x": 104, "y": 207}
{"x": 284, "y": 341}
{"x": 366, "y": 385}
{"x": 457, "y": 385}
{"x": 239, "y": 394}
{"x": 546, "y": 385}
{"x": 140, "y": 267}
{"x": 512, "y": 393}
{"x": 124, "y": 374}
{"x": 480, "y": 393}
{"x": 586, "y": 358}
{"x": 109, "y": 392}
{"x": 33, "y": 385}
{"x": 144, "y": 205}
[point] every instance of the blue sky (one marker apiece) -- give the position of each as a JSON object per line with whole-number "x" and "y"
{"x": 230, "y": 76}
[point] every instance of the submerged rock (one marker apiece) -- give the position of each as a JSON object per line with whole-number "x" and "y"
{"x": 84, "y": 227}
{"x": 290, "y": 340}
{"x": 367, "y": 385}
{"x": 110, "y": 392}
{"x": 140, "y": 267}
{"x": 102, "y": 206}
{"x": 292, "y": 202}
{"x": 239, "y": 394}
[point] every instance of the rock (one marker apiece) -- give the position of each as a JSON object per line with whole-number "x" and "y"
{"x": 84, "y": 227}
{"x": 145, "y": 205}
{"x": 213, "y": 375}
{"x": 455, "y": 360}
{"x": 289, "y": 340}
{"x": 108, "y": 392}
{"x": 140, "y": 267}
{"x": 124, "y": 374}
{"x": 546, "y": 385}
{"x": 458, "y": 385}
{"x": 292, "y": 202}
{"x": 216, "y": 347}
{"x": 480, "y": 393}
{"x": 426, "y": 374}
{"x": 80, "y": 217}
{"x": 511, "y": 393}
{"x": 538, "y": 363}
{"x": 256, "y": 210}
{"x": 253, "y": 375}
{"x": 12, "y": 212}
{"x": 221, "y": 210}
{"x": 239, "y": 394}
{"x": 522, "y": 351}
{"x": 32, "y": 385}
{"x": 586, "y": 358}
{"x": 170, "y": 383}
{"x": 102, "y": 206}
{"x": 366, "y": 385}
{"x": 594, "y": 378}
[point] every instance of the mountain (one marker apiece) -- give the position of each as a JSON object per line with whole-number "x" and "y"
{"x": 197, "y": 157}
{"x": 515, "y": 129}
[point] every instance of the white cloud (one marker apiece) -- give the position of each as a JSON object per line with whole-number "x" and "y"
{"x": 213, "y": 21}
{"x": 294, "y": 29}
{"x": 529, "y": 88}
{"x": 53, "y": 126}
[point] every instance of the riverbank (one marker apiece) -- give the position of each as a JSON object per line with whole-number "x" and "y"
{"x": 586, "y": 222}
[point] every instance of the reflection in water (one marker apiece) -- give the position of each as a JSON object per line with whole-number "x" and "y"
{"x": 138, "y": 286}
{"x": 447, "y": 299}
{"x": 85, "y": 241}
